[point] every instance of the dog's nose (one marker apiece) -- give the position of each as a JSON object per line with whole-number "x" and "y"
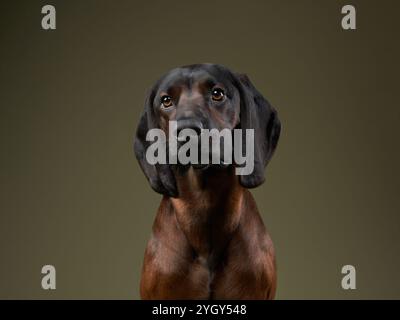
{"x": 193, "y": 124}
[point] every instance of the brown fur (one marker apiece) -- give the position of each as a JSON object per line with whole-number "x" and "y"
{"x": 208, "y": 240}
{"x": 210, "y": 243}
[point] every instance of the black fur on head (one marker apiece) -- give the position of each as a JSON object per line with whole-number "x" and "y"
{"x": 244, "y": 108}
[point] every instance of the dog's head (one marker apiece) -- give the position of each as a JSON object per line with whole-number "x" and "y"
{"x": 206, "y": 96}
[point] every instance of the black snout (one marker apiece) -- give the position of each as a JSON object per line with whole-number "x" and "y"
{"x": 191, "y": 123}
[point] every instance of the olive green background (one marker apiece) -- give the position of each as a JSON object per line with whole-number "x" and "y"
{"x": 72, "y": 194}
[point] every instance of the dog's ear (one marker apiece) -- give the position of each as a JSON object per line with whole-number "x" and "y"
{"x": 256, "y": 113}
{"x": 160, "y": 176}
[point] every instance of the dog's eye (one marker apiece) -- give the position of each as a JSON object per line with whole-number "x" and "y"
{"x": 217, "y": 94}
{"x": 166, "y": 101}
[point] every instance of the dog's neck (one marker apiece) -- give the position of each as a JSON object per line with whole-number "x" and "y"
{"x": 209, "y": 206}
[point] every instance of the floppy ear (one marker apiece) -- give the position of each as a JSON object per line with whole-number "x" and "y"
{"x": 256, "y": 113}
{"x": 160, "y": 176}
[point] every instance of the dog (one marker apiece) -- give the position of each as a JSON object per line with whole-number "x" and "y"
{"x": 208, "y": 239}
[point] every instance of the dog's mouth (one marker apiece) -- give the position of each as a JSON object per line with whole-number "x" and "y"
{"x": 205, "y": 166}
{"x": 200, "y": 166}
{"x": 202, "y": 159}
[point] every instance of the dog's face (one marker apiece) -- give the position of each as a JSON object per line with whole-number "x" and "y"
{"x": 206, "y": 96}
{"x": 197, "y": 98}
